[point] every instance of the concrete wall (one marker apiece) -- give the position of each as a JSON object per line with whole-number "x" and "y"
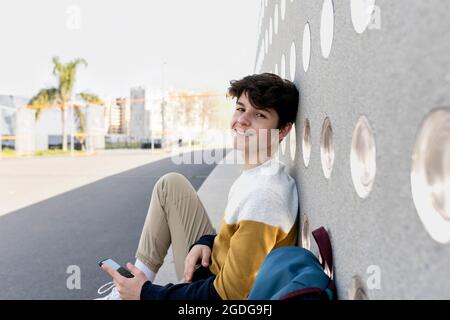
{"x": 394, "y": 73}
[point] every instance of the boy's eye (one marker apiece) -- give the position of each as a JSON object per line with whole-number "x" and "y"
{"x": 260, "y": 115}
{"x": 240, "y": 109}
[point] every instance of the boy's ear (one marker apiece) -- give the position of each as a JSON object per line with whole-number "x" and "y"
{"x": 284, "y": 131}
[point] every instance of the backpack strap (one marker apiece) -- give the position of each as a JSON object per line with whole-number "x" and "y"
{"x": 324, "y": 244}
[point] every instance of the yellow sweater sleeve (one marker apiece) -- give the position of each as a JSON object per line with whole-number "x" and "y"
{"x": 249, "y": 245}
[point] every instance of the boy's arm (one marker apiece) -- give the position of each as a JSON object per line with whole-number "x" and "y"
{"x": 207, "y": 240}
{"x": 202, "y": 289}
{"x": 199, "y": 290}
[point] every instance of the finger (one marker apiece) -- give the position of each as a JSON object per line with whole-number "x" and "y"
{"x": 113, "y": 273}
{"x": 134, "y": 270}
{"x": 205, "y": 259}
{"x": 188, "y": 273}
{"x": 188, "y": 276}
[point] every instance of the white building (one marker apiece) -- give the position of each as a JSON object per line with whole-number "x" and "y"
{"x": 140, "y": 116}
{"x": 145, "y": 114}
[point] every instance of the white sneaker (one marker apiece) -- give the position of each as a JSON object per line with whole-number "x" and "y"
{"x": 113, "y": 295}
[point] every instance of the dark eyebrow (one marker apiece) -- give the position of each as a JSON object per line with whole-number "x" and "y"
{"x": 268, "y": 110}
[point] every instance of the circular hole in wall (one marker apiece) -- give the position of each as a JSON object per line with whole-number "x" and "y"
{"x": 327, "y": 27}
{"x": 306, "y": 142}
{"x": 270, "y": 31}
{"x": 283, "y": 67}
{"x": 306, "y": 240}
{"x": 306, "y": 47}
{"x": 293, "y": 142}
{"x": 292, "y": 61}
{"x": 327, "y": 148}
{"x": 363, "y": 157}
{"x": 266, "y": 41}
{"x": 361, "y": 12}
{"x": 275, "y": 19}
{"x": 283, "y": 9}
{"x": 430, "y": 174}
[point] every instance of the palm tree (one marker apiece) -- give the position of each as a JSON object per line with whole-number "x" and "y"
{"x": 61, "y": 96}
{"x": 89, "y": 99}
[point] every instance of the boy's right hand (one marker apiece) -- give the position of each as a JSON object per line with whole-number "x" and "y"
{"x": 198, "y": 252}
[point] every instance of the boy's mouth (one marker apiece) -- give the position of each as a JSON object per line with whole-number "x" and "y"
{"x": 243, "y": 133}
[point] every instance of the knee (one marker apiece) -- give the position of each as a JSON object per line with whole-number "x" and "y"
{"x": 170, "y": 180}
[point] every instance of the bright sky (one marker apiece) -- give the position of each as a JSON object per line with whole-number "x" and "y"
{"x": 205, "y": 43}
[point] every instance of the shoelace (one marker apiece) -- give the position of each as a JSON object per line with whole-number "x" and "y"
{"x": 111, "y": 286}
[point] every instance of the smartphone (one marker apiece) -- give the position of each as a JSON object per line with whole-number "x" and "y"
{"x": 114, "y": 265}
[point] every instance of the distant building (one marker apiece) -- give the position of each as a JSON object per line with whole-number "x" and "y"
{"x": 140, "y": 117}
{"x": 22, "y": 131}
{"x": 119, "y": 115}
{"x": 17, "y": 124}
{"x": 95, "y": 127}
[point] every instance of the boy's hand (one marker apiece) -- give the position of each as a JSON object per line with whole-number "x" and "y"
{"x": 198, "y": 252}
{"x": 128, "y": 288}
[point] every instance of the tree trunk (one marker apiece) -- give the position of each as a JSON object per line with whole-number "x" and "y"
{"x": 83, "y": 147}
{"x": 64, "y": 129}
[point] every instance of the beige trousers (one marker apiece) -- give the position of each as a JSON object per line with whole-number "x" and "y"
{"x": 175, "y": 217}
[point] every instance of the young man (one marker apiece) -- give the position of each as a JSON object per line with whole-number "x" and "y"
{"x": 261, "y": 212}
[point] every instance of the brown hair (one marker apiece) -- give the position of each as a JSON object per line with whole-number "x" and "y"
{"x": 269, "y": 91}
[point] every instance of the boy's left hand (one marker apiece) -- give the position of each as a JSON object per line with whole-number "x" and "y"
{"x": 129, "y": 288}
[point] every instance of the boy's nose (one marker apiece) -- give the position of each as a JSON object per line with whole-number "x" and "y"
{"x": 244, "y": 120}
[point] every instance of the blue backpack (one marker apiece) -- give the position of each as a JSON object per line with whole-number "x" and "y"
{"x": 292, "y": 272}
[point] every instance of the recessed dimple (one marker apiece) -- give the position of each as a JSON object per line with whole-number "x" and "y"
{"x": 327, "y": 148}
{"x": 275, "y": 19}
{"x": 363, "y": 157}
{"x": 361, "y": 13}
{"x": 283, "y": 66}
{"x": 430, "y": 174}
{"x": 293, "y": 142}
{"x": 306, "y": 142}
{"x": 327, "y": 28}
{"x": 270, "y": 31}
{"x": 292, "y": 61}
{"x": 305, "y": 233}
{"x": 306, "y": 50}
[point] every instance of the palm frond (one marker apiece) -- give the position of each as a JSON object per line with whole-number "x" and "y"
{"x": 43, "y": 99}
{"x": 67, "y": 77}
{"x": 91, "y": 98}
{"x": 80, "y": 118}
{"x": 76, "y": 62}
{"x": 57, "y": 65}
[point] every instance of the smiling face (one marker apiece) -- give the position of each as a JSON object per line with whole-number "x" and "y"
{"x": 253, "y": 129}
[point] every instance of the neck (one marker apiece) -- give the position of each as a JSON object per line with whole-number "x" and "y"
{"x": 249, "y": 161}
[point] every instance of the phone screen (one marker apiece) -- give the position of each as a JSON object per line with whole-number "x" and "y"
{"x": 114, "y": 265}
{"x": 111, "y": 263}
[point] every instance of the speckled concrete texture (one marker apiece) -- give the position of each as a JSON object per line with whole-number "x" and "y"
{"x": 394, "y": 75}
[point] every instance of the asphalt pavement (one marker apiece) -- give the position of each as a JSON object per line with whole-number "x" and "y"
{"x": 44, "y": 246}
